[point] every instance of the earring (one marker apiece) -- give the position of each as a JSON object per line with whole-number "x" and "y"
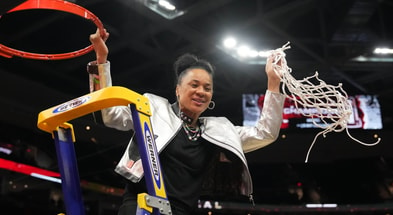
{"x": 211, "y": 106}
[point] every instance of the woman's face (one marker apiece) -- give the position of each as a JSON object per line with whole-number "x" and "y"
{"x": 195, "y": 91}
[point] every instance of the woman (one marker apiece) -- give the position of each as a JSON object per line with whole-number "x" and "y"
{"x": 189, "y": 145}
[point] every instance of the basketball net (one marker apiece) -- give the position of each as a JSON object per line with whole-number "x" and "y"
{"x": 332, "y": 107}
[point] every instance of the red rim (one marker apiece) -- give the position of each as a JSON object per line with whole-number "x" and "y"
{"x": 52, "y": 5}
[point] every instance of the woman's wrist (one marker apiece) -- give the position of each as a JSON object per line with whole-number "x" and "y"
{"x": 274, "y": 86}
{"x": 101, "y": 60}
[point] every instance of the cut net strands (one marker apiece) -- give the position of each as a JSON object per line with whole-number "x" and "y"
{"x": 330, "y": 103}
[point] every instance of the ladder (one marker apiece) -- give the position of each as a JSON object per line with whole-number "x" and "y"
{"x": 55, "y": 120}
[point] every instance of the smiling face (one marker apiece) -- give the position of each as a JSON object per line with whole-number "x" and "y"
{"x": 194, "y": 91}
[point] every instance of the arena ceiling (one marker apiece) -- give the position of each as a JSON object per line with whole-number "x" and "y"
{"x": 335, "y": 38}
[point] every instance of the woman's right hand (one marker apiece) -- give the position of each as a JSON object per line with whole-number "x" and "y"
{"x": 98, "y": 40}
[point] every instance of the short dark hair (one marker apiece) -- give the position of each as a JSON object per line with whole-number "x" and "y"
{"x": 188, "y": 61}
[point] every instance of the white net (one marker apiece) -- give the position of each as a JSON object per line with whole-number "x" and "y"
{"x": 330, "y": 103}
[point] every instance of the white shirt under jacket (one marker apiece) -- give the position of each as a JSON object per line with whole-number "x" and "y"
{"x": 217, "y": 130}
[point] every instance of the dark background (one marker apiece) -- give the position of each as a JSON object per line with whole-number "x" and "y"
{"x": 325, "y": 36}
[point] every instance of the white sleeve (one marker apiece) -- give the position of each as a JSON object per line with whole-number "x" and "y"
{"x": 118, "y": 117}
{"x": 268, "y": 126}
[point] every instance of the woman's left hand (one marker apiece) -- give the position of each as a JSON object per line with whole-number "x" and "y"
{"x": 273, "y": 79}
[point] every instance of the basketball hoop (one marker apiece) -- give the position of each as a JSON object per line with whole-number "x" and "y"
{"x": 59, "y": 5}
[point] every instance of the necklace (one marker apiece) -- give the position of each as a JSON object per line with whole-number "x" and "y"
{"x": 193, "y": 133}
{"x": 186, "y": 119}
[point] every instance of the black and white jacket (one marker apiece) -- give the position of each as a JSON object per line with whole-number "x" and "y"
{"x": 217, "y": 130}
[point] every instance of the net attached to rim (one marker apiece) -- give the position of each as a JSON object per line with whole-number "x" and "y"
{"x": 331, "y": 107}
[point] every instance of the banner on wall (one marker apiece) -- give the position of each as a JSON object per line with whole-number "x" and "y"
{"x": 366, "y": 113}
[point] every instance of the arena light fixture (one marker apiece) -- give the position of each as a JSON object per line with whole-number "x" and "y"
{"x": 242, "y": 52}
{"x": 383, "y": 50}
{"x": 362, "y": 58}
{"x": 230, "y": 42}
{"x": 379, "y": 54}
{"x": 164, "y": 8}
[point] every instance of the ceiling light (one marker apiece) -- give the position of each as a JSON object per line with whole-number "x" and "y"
{"x": 372, "y": 59}
{"x": 167, "y": 5}
{"x": 383, "y": 51}
{"x": 164, "y": 8}
{"x": 264, "y": 53}
{"x": 253, "y": 53}
{"x": 380, "y": 54}
{"x": 230, "y": 42}
{"x": 243, "y": 51}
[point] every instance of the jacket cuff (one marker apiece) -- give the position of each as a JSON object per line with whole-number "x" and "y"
{"x": 92, "y": 68}
{"x": 99, "y": 75}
